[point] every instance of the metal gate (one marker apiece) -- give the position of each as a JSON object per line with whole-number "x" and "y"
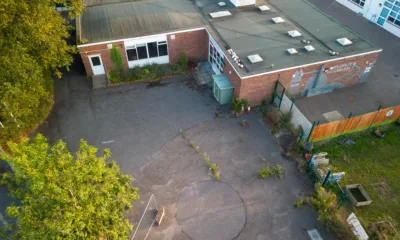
{"x": 278, "y": 94}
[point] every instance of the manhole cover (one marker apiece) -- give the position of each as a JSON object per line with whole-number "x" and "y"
{"x": 210, "y": 210}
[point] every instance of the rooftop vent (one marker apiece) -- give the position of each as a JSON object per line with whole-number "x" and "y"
{"x": 222, "y": 4}
{"x": 278, "y": 20}
{"x": 309, "y": 48}
{"x": 344, "y": 41}
{"x": 263, "y": 8}
{"x": 294, "y": 33}
{"x": 255, "y": 58}
{"x": 220, "y": 14}
{"x": 292, "y": 51}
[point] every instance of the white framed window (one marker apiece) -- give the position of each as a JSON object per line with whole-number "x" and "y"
{"x": 148, "y": 50}
{"x": 360, "y": 3}
{"x": 216, "y": 57}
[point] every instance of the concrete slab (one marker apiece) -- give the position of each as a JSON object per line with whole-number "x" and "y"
{"x": 333, "y": 116}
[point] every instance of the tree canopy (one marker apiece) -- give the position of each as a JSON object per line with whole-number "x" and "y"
{"x": 33, "y": 47}
{"x": 67, "y": 197}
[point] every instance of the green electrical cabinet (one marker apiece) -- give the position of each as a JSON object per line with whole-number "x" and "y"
{"x": 222, "y": 89}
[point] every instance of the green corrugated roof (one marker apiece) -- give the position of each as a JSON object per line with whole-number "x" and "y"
{"x": 135, "y": 19}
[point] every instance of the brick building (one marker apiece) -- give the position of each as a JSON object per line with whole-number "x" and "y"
{"x": 286, "y": 40}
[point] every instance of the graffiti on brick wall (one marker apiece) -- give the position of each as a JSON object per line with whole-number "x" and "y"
{"x": 326, "y": 80}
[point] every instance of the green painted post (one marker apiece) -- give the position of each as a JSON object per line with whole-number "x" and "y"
{"x": 274, "y": 94}
{"x": 312, "y": 128}
{"x": 373, "y": 120}
{"x": 291, "y": 106}
{"x": 283, "y": 92}
{"x": 327, "y": 177}
{"x": 348, "y": 119}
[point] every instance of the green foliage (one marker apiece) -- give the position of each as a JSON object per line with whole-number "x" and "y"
{"x": 268, "y": 171}
{"x": 197, "y": 149}
{"x": 66, "y": 197}
{"x": 285, "y": 121}
{"x": 264, "y": 102}
{"x": 183, "y": 63}
{"x": 192, "y": 144}
{"x": 373, "y": 163}
{"x": 116, "y": 58}
{"x": 211, "y": 166}
{"x": 238, "y": 104}
{"x": 33, "y": 47}
{"x": 323, "y": 200}
{"x": 263, "y": 112}
{"x": 146, "y": 71}
{"x": 300, "y": 202}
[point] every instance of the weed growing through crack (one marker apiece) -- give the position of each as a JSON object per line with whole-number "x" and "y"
{"x": 267, "y": 171}
{"x": 211, "y": 166}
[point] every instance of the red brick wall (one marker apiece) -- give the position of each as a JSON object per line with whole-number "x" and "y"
{"x": 256, "y": 88}
{"x": 193, "y": 44}
{"x": 102, "y": 49}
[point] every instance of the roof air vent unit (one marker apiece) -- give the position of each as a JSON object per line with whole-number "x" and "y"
{"x": 344, "y": 41}
{"x": 292, "y": 51}
{"x": 309, "y": 48}
{"x": 220, "y": 14}
{"x": 278, "y": 20}
{"x": 294, "y": 33}
{"x": 255, "y": 58}
{"x": 263, "y": 8}
{"x": 222, "y": 4}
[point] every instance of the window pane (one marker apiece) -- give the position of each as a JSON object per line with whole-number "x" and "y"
{"x": 142, "y": 51}
{"x": 390, "y": 1}
{"x": 387, "y": 4}
{"x": 384, "y": 12}
{"x": 397, "y": 22}
{"x": 132, "y": 55}
{"x": 152, "y": 49}
{"x": 390, "y": 19}
{"x": 393, "y": 14}
{"x": 163, "y": 50}
{"x": 96, "y": 61}
{"x": 356, "y": 1}
{"x": 362, "y": 3}
{"x": 397, "y": 3}
{"x": 381, "y": 21}
{"x": 398, "y": 17}
{"x": 396, "y": 9}
{"x": 163, "y": 42}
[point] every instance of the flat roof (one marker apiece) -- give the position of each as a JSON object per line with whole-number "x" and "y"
{"x": 114, "y": 21}
{"x": 250, "y": 31}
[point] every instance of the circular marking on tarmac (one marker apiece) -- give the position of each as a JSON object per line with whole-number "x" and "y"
{"x": 211, "y": 210}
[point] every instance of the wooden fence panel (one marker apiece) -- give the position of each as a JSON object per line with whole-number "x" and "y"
{"x": 336, "y": 128}
{"x": 367, "y": 119}
{"x": 382, "y": 115}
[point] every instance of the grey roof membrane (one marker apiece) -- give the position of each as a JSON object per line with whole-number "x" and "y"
{"x": 134, "y": 19}
{"x": 250, "y": 31}
{"x": 247, "y": 31}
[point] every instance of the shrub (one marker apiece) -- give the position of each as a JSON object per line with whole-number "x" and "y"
{"x": 263, "y": 112}
{"x": 146, "y": 71}
{"x": 244, "y": 103}
{"x": 300, "y": 202}
{"x": 183, "y": 63}
{"x": 236, "y": 105}
{"x": 286, "y": 121}
{"x": 274, "y": 115}
{"x": 267, "y": 171}
{"x": 263, "y": 102}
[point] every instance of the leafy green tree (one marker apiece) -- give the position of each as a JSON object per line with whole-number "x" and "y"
{"x": 33, "y": 47}
{"x": 67, "y": 197}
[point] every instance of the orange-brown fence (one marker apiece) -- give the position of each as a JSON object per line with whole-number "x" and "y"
{"x": 354, "y": 124}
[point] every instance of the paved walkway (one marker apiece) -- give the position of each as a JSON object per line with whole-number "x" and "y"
{"x": 383, "y": 84}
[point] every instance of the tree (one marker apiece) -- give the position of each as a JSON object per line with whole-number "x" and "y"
{"x": 67, "y": 197}
{"x": 33, "y": 47}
